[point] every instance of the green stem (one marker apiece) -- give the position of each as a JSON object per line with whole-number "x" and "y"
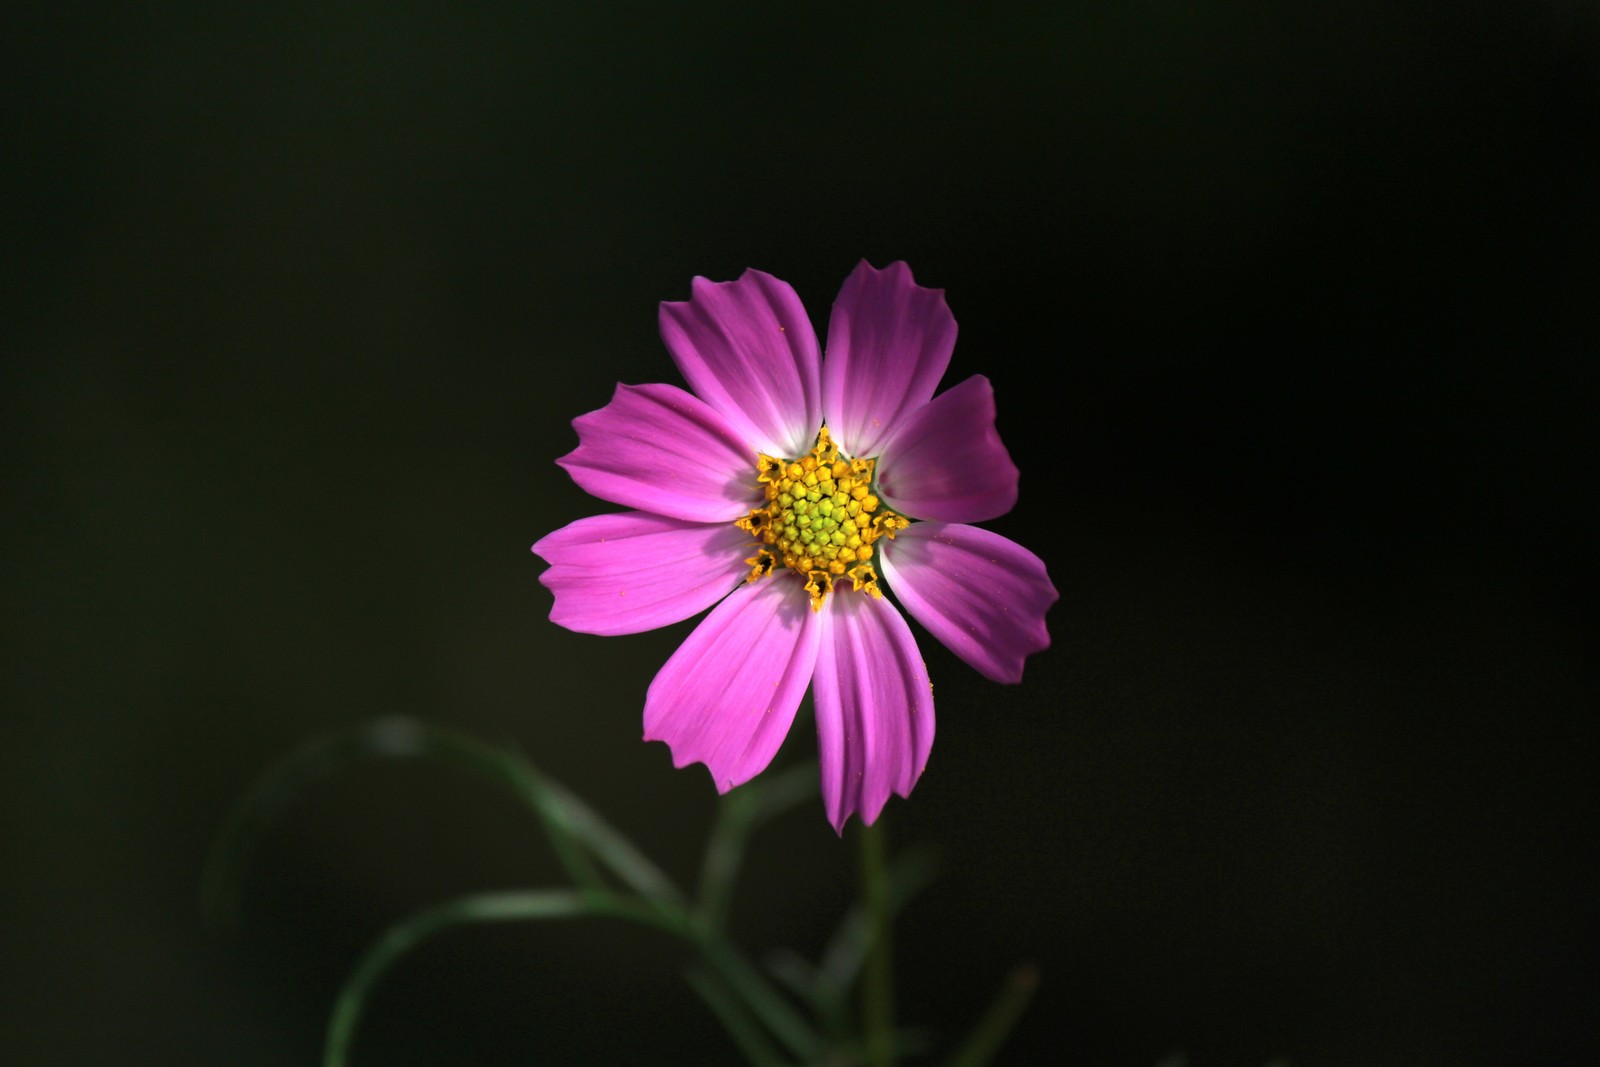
{"x": 750, "y": 1038}
{"x": 877, "y": 991}
{"x": 736, "y": 973}
{"x": 991, "y": 1031}
{"x": 738, "y": 815}
{"x": 478, "y": 908}
{"x": 780, "y": 1017}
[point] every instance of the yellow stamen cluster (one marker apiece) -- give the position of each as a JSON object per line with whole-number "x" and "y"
{"x": 820, "y": 520}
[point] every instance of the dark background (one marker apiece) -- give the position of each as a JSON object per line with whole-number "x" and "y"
{"x": 1292, "y": 319}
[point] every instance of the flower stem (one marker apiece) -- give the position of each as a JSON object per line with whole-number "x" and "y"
{"x": 877, "y": 990}
{"x": 995, "y": 1026}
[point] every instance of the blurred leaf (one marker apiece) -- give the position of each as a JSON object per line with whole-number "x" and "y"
{"x": 910, "y": 871}
{"x": 610, "y": 847}
{"x": 740, "y": 813}
{"x": 580, "y": 837}
{"x": 780, "y": 1016}
{"x": 726, "y": 1007}
{"x": 574, "y": 829}
{"x": 798, "y": 974}
{"x": 905, "y": 1041}
{"x": 480, "y": 908}
{"x": 996, "y": 1024}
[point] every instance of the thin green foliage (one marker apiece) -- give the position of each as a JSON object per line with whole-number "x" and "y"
{"x": 584, "y": 842}
{"x": 796, "y": 973}
{"x": 520, "y": 906}
{"x": 392, "y": 738}
{"x": 610, "y": 847}
{"x": 733, "y": 1015}
{"x": 909, "y": 872}
{"x": 611, "y": 878}
{"x": 877, "y": 987}
{"x": 740, "y": 814}
{"x": 990, "y": 1032}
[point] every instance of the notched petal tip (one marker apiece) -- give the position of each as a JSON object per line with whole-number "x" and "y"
{"x": 727, "y": 697}
{"x": 634, "y": 571}
{"x": 874, "y": 704}
{"x": 982, "y": 595}
{"x": 896, "y": 272}
{"x": 889, "y": 343}
{"x": 896, "y": 278}
{"x": 663, "y": 450}
{"x": 747, "y": 348}
{"x": 724, "y": 784}
{"x": 701, "y": 285}
{"x": 947, "y": 461}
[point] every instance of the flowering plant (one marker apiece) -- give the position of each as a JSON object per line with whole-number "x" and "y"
{"x": 787, "y": 488}
{"x": 786, "y": 493}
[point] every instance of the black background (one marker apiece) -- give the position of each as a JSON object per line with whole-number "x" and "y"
{"x": 1292, "y": 319}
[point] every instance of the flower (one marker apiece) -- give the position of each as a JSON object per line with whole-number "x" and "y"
{"x": 786, "y": 489}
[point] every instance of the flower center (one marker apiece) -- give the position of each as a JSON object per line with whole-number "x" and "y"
{"x": 820, "y": 520}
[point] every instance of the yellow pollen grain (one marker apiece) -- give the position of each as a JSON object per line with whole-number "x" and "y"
{"x": 821, "y": 520}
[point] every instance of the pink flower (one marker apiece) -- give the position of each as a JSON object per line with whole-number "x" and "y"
{"x": 784, "y": 489}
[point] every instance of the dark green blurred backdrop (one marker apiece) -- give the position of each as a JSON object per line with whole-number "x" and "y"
{"x": 1291, "y": 314}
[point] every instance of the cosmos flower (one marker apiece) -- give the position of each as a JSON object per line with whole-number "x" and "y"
{"x": 789, "y": 489}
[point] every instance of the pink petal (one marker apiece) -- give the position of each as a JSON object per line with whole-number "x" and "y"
{"x": 981, "y": 594}
{"x": 627, "y": 573}
{"x": 747, "y": 348}
{"x": 659, "y": 449}
{"x": 947, "y": 462}
{"x": 874, "y": 707}
{"x": 889, "y": 342}
{"x": 727, "y": 697}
